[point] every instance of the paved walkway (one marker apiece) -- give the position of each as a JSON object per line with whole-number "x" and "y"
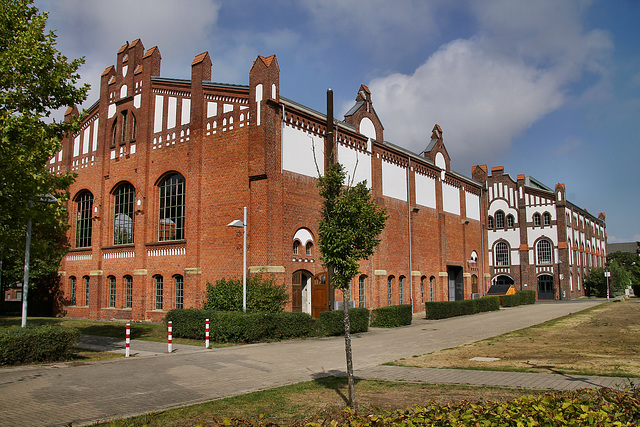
{"x": 63, "y": 394}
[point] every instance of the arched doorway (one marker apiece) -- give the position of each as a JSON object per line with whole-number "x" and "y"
{"x": 503, "y": 280}
{"x": 301, "y": 291}
{"x": 545, "y": 286}
{"x": 319, "y": 294}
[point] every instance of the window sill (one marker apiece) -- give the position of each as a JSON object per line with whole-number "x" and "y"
{"x": 166, "y": 243}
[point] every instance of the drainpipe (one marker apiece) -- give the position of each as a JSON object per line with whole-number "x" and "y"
{"x": 410, "y": 240}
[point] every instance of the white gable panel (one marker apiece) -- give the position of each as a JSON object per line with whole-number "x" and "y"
{"x": 394, "y": 181}
{"x": 298, "y": 152}
{"x": 157, "y": 118}
{"x": 356, "y": 163}
{"x": 425, "y": 191}
{"x": 450, "y": 199}
{"x": 472, "y": 203}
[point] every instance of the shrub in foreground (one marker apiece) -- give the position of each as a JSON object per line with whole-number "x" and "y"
{"x": 392, "y": 316}
{"x": 36, "y": 344}
{"x": 332, "y": 322}
{"x": 444, "y": 309}
{"x": 519, "y": 298}
{"x": 263, "y": 294}
{"x": 233, "y": 326}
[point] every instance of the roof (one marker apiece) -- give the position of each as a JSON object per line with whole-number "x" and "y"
{"x": 530, "y": 181}
{"x": 353, "y": 109}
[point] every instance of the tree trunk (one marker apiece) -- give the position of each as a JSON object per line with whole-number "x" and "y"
{"x": 349, "y": 355}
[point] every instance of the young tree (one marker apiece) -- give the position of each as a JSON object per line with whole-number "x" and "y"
{"x": 349, "y": 229}
{"x": 35, "y": 79}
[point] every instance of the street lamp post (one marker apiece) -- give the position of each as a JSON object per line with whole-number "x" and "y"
{"x": 607, "y": 274}
{"x": 243, "y": 225}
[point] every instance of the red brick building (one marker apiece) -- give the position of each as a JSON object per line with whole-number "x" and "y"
{"x": 165, "y": 164}
{"x": 538, "y": 240}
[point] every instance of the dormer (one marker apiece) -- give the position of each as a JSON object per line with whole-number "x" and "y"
{"x": 363, "y": 116}
{"x": 436, "y": 151}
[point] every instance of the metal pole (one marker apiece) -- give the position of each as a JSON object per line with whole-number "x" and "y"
{"x": 607, "y": 274}
{"x": 27, "y": 256}
{"x": 244, "y": 262}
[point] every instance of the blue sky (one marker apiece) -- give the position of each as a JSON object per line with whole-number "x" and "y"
{"x": 549, "y": 89}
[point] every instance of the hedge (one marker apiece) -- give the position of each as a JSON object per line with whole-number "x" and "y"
{"x": 36, "y": 344}
{"x": 519, "y": 298}
{"x": 444, "y": 309}
{"x": 332, "y": 322}
{"x": 392, "y": 316}
{"x": 229, "y": 326}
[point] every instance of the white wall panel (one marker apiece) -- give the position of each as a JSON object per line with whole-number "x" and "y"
{"x": 472, "y": 203}
{"x": 394, "y": 181}
{"x": 425, "y": 191}
{"x": 450, "y": 199}
{"x": 157, "y": 117}
{"x": 356, "y": 163}
{"x": 297, "y": 152}
{"x": 172, "y": 112}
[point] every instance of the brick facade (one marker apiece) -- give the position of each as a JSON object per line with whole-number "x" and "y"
{"x": 551, "y": 244}
{"x": 228, "y": 146}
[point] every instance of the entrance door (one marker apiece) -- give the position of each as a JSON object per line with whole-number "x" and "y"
{"x": 319, "y": 294}
{"x": 456, "y": 285}
{"x": 296, "y": 292}
{"x": 545, "y": 286}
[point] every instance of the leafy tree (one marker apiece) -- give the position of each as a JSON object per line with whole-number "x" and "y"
{"x": 595, "y": 282}
{"x": 619, "y": 279}
{"x": 263, "y": 295}
{"x": 630, "y": 262}
{"x": 349, "y": 229}
{"x": 35, "y": 79}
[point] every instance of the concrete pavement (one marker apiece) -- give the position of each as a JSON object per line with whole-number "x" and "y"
{"x": 62, "y": 394}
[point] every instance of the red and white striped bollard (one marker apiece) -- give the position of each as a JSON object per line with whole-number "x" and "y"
{"x": 127, "y": 340}
{"x": 170, "y": 337}
{"x": 206, "y": 334}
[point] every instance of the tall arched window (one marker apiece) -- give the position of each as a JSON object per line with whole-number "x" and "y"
{"x": 171, "y": 215}
{"x": 490, "y": 223}
{"x": 159, "y": 292}
{"x": 74, "y": 290}
{"x": 86, "y": 290}
{"x": 123, "y": 216}
{"x": 400, "y": 289}
{"x": 546, "y": 218}
{"x": 179, "y": 285}
{"x": 390, "y": 290}
{"x": 431, "y": 280}
{"x": 499, "y": 219}
{"x": 112, "y": 292}
{"x": 510, "y": 221}
{"x": 501, "y": 253}
{"x": 422, "y": 290}
{"x": 296, "y": 247}
{"x": 84, "y": 227}
{"x": 134, "y": 125}
{"x": 536, "y": 219}
{"x": 123, "y": 131}
{"x": 309, "y": 248}
{"x": 544, "y": 252}
{"x": 361, "y": 286}
{"x": 114, "y": 133}
{"x": 128, "y": 285}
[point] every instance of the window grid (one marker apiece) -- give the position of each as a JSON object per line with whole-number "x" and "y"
{"x": 390, "y": 290}
{"x": 296, "y": 247}
{"x": 510, "y": 221}
{"x": 546, "y": 218}
{"x": 159, "y": 292}
{"x": 112, "y": 292}
{"x": 123, "y": 138}
{"x": 86, "y": 291}
{"x": 308, "y": 248}
{"x": 171, "y": 217}
{"x": 544, "y": 252}
{"x": 73, "y": 290}
{"x": 490, "y": 223}
{"x": 361, "y": 283}
{"x": 536, "y": 219}
{"x": 128, "y": 280}
{"x": 123, "y": 218}
{"x": 179, "y": 281}
{"x": 83, "y": 220}
{"x": 422, "y": 290}
{"x": 431, "y": 288}
{"x": 502, "y": 253}
{"x": 499, "y": 219}
{"x": 400, "y": 289}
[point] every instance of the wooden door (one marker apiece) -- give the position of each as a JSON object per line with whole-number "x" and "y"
{"x": 296, "y": 292}
{"x": 319, "y": 294}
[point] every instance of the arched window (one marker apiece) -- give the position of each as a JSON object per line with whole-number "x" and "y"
{"x": 134, "y": 125}
{"x": 309, "y": 248}
{"x": 390, "y": 290}
{"x": 296, "y": 247}
{"x": 84, "y": 227}
{"x": 544, "y": 252}
{"x": 361, "y": 287}
{"x": 112, "y": 292}
{"x": 499, "y": 220}
{"x": 114, "y": 133}
{"x": 490, "y": 223}
{"x": 159, "y": 291}
{"x": 536, "y": 219}
{"x": 86, "y": 290}
{"x": 501, "y": 253}
{"x": 171, "y": 215}
{"x": 474, "y": 284}
{"x": 128, "y": 285}
{"x": 74, "y": 290}
{"x": 123, "y": 130}
{"x": 422, "y": 290}
{"x": 431, "y": 280}
{"x": 546, "y": 218}
{"x": 510, "y": 221}
{"x": 123, "y": 214}
{"x": 400, "y": 289}
{"x": 179, "y": 285}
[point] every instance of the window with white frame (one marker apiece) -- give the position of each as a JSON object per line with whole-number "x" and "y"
{"x": 544, "y": 250}
{"x": 501, "y": 254}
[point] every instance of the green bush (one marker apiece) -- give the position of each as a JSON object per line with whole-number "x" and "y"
{"x": 233, "y": 326}
{"x": 392, "y": 316}
{"x": 519, "y": 298}
{"x": 444, "y": 309}
{"x": 34, "y": 344}
{"x": 263, "y": 295}
{"x": 332, "y": 322}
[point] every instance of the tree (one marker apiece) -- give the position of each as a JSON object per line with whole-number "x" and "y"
{"x": 35, "y": 80}
{"x": 349, "y": 228}
{"x": 630, "y": 262}
{"x": 263, "y": 295}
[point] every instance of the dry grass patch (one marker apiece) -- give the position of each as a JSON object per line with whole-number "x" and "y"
{"x": 603, "y": 340}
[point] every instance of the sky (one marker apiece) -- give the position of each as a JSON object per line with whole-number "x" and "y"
{"x": 549, "y": 89}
